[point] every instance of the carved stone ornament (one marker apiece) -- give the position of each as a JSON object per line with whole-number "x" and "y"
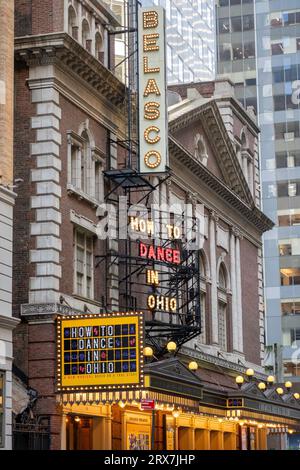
{"x": 200, "y": 151}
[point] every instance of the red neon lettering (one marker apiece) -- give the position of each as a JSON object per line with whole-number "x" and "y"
{"x": 176, "y": 256}
{"x": 151, "y": 253}
{"x": 169, "y": 255}
{"x": 143, "y": 250}
{"x": 160, "y": 254}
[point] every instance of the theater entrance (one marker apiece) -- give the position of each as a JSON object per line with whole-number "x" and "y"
{"x": 79, "y": 433}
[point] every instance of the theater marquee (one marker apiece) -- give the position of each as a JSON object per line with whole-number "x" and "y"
{"x": 153, "y": 123}
{"x": 100, "y": 352}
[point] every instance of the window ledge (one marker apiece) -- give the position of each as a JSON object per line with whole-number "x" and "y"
{"x": 81, "y": 195}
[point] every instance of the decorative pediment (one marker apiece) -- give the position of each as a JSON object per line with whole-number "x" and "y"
{"x": 273, "y": 395}
{"x": 173, "y": 369}
{"x": 208, "y": 115}
{"x": 251, "y": 388}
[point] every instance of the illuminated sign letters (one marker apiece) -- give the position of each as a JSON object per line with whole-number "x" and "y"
{"x": 153, "y": 123}
{"x": 96, "y": 352}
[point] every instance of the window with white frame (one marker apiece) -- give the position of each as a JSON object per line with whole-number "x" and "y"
{"x": 72, "y": 22}
{"x": 222, "y": 326}
{"x": 85, "y": 167}
{"x": 83, "y": 264}
{"x": 202, "y": 337}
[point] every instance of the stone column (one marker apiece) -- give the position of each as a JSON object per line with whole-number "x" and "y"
{"x": 239, "y": 294}
{"x": 214, "y": 294}
{"x": 234, "y": 306}
{"x": 6, "y": 90}
{"x": 245, "y": 166}
{"x": 63, "y": 434}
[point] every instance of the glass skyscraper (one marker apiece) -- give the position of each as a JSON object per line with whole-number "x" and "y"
{"x": 258, "y": 43}
{"x": 278, "y": 79}
{"x": 190, "y": 39}
{"x": 236, "y": 56}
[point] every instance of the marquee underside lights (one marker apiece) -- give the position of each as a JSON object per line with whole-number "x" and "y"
{"x": 100, "y": 352}
{"x": 153, "y": 130}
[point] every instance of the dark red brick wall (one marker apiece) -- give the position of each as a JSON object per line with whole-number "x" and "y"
{"x": 42, "y": 375}
{"x": 47, "y": 16}
{"x": 206, "y": 89}
{"x": 250, "y": 301}
{"x": 23, "y": 162}
{"x": 38, "y": 16}
{"x": 23, "y": 17}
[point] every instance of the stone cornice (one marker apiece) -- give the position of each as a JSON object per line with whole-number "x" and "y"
{"x": 7, "y": 195}
{"x": 63, "y": 50}
{"x": 209, "y": 115}
{"x": 241, "y": 113}
{"x": 187, "y": 160}
{"x": 8, "y": 322}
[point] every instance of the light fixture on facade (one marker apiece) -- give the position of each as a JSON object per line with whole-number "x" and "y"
{"x": 271, "y": 379}
{"x": 250, "y": 373}
{"x": 296, "y": 395}
{"x": 288, "y": 385}
{"x": 171, "y": 347}
{"x": 239, "y": 380}
{"x": 193, "y": 366}
{"x": 262, "y": 386}
{"x": 176, "y": 413}
{"x": 148, "y": 352}
{"x": 279, "y": 390}
{"x": 77, "y": 419}
{"x": 122, "y": 404}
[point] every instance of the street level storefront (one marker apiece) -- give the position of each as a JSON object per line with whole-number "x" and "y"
{"x": 186, "y": 416}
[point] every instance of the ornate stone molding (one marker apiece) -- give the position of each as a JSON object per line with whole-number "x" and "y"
{"x": 42, "y": 310}
{"x": 63, "y": 50}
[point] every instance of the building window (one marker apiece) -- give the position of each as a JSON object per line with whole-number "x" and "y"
{"x": 291, "y": 369}
{"x": 285, "y": 250}
{"x": 222, "y": 278}
{"x": 2, "y": 409}
{"x": 99, "y": 48}
{"x": 290, "y": 276}
{"x": 72, "y": 23}
{"x": 86, "y": 38}
{"x": 202, "y": 337}
{"x": 222, "y": 326}
{"x": 288, "y": 218}
{"x": 83, "y": 260}
{"x": 290, "y": 308}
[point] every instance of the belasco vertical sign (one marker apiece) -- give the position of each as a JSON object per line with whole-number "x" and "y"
{"x": 153, "y": 122}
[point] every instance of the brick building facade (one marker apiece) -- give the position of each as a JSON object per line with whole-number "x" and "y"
{"x": 69, "y": 113}
{"x": 7, "y": 199}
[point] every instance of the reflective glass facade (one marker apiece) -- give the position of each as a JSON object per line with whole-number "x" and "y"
{"x": 278, "y": 74}
{"x": 236, "y": 54}
{"x": 190, "y": 39}
{"x": 269, "y": 79}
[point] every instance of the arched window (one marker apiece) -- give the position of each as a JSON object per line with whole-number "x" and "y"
{"x": 222, "y": 309}
{"x": 99, "y": 47}
{"x": 243, "y": 140}
{"x": 203, "y": 273}
{"x": 222, "y": 277}
{"x": 202, "y": 267}
{"x": 72, "y": 22}
{"x": 86, "y": 35}
{"x": 85, "y": 163}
